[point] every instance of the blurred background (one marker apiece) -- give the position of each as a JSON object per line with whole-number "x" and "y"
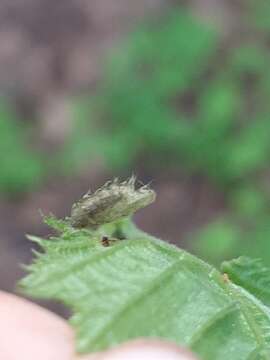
{"x": 177, "y": 92}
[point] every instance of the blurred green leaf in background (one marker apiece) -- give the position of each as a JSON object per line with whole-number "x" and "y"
{"x": 178, "y": 94}
{"x": 20, "y": 167}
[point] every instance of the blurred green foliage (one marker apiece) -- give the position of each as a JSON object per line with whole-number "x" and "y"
{"x": 20, "y": 167}
{"x": 259, "y": 11}
{"x": 180, "y": 97}
{"x": 177, "y": 94}
{"x": 133, "y": 105}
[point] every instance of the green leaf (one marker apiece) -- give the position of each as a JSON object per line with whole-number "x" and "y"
{"x": 251, "y": 274}
{"x": 143, "y": 287}
{"x": 146, "y": 288}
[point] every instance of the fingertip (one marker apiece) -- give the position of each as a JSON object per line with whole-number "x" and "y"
{"x": 31, "y": 332}
{"x": 145, "y": 350}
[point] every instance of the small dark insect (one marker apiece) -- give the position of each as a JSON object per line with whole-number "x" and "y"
{"x": 105, "y": 241}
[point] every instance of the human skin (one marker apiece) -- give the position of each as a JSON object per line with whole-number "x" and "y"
{"x": 30, "y": 332}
